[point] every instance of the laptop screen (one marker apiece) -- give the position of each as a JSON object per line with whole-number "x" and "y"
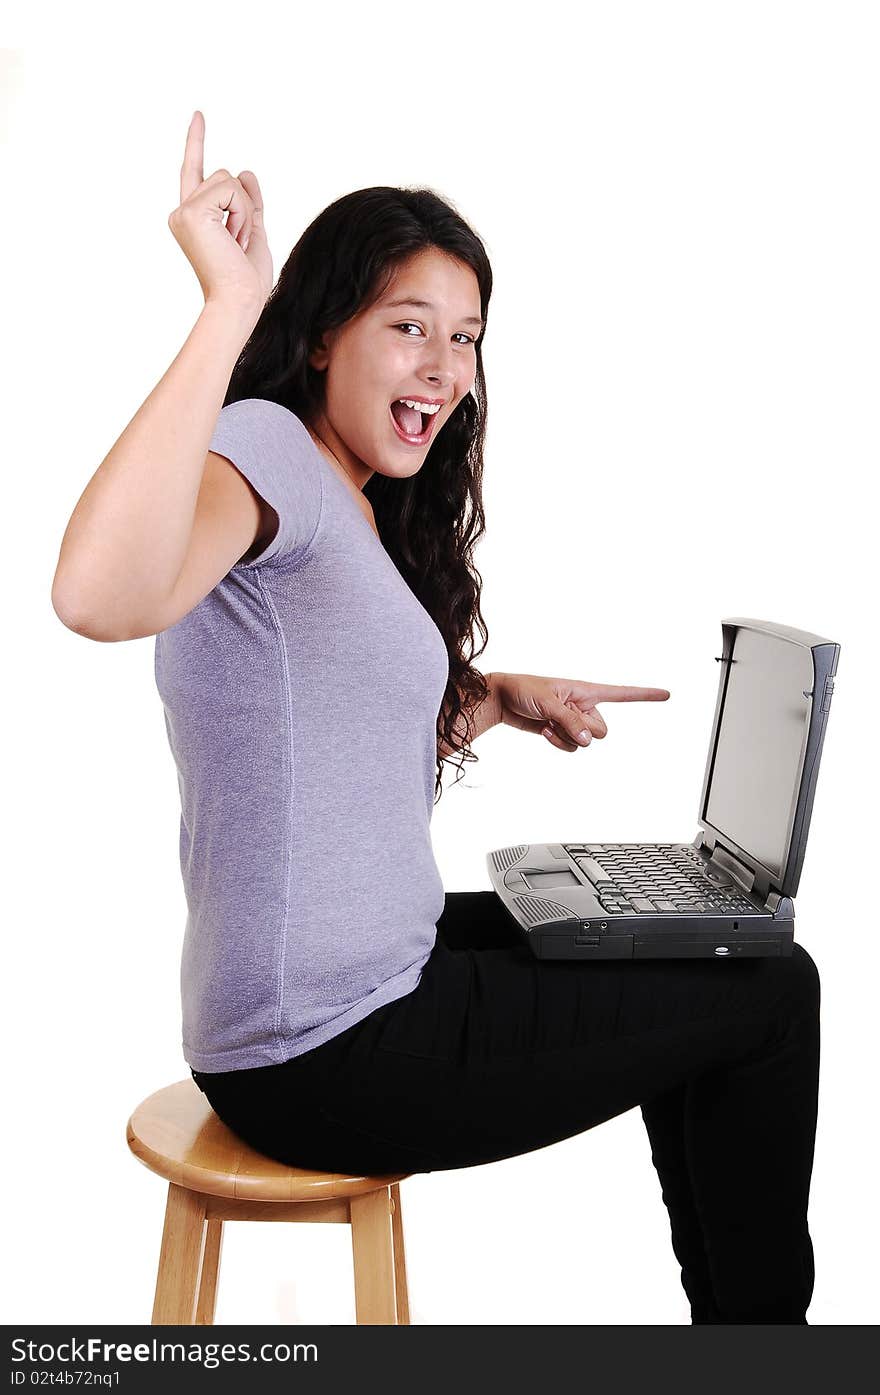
{"x": 759, "y": 754}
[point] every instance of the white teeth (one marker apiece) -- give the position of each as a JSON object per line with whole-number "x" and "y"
{"x": 421, "y": 406}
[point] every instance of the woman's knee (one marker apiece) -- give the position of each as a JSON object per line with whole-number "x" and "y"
{"x": 793, "y": 981}
{"x": 807, "y": 976}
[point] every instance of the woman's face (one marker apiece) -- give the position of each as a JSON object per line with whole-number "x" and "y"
{"x": 395, "y": 350}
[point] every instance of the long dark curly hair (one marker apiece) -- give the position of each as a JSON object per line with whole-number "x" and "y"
{"x": 430, "y": 522}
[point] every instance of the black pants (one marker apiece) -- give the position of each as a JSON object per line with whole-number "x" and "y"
{"x": 496, "y": 1053}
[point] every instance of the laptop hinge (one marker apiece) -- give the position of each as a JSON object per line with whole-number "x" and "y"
{"x": 742, "y": 875}
{"x": 781, "y": 906}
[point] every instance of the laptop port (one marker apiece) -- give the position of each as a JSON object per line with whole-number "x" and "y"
{"x": 586, "y": 936}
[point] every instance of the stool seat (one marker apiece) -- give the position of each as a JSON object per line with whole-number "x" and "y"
{"x": 176, "y": 1133}
{"x": 214, "y": 1176}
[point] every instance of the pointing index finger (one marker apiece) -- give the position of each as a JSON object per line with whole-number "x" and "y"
{"x": 617, "y": 692}
{"x": 192, "y": 172}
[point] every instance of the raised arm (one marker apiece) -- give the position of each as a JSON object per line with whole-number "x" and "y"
{"x": 129, "y": 538}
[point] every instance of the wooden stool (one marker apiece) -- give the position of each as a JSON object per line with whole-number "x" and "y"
{"x": 214, "y": 1177}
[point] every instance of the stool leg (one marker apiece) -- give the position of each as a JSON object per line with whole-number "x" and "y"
{"x": 373, "y": 1260}
{"x": 400, "y": 1286}
{"x": 207, "y": 1299}
{"x": 180, "y": 1261}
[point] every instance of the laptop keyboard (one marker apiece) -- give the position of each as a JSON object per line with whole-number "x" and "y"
{"x": 640, "y": 878}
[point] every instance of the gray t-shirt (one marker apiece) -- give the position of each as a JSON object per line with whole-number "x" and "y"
{"x": 301, "y": 699}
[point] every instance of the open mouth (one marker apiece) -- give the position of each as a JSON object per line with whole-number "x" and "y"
{"x": 414, "y": 427}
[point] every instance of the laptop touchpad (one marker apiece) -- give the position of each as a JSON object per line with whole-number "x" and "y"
{"x": 546, "y": 881}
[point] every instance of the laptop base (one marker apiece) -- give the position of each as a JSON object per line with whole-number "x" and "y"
{"x": 561, "y": 915}
{"x": 665, "y": 943}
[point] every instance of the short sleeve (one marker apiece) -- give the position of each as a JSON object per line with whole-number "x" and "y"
{"x": 271, "y": 447}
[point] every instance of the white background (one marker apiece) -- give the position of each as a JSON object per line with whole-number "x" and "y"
{"x": 680, "y": 204}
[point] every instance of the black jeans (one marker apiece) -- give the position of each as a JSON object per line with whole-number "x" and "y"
{"x": 496, "y": 1053}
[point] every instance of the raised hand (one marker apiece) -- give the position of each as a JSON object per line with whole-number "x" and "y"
{"x": 232, "y": 261}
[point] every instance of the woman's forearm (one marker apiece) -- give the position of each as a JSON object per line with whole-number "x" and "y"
{"x": 479, "y": 719}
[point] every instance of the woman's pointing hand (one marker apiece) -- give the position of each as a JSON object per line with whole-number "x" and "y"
{"x": 233, "y": 262}
{"x": 562, "y": 709}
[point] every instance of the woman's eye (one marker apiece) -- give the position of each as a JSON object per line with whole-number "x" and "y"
{"x": 409, "y": 324}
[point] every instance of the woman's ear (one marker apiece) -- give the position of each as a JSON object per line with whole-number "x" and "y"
{"x": 320, "y": 355}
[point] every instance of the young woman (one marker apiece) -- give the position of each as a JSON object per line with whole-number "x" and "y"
{"x": 292, "y": 512}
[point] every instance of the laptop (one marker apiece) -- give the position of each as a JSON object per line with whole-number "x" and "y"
{"x": 728, "y": 893}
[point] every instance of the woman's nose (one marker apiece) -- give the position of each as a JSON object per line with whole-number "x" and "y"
{"x": 438, "y": 373}
{"x": 440, "y": 365}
